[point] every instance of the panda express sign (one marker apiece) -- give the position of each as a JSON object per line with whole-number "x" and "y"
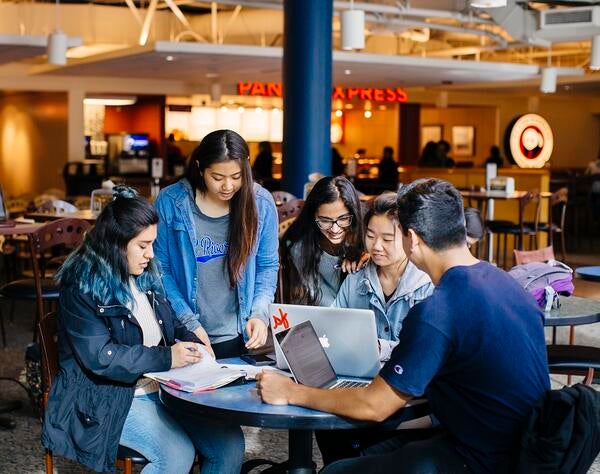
{"x": 375, "y": 94}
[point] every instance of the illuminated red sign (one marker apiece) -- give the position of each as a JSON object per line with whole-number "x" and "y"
{"x": 375, "y": 94}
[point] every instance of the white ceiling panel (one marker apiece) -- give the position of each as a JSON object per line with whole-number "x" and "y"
{"x": 200, "y": 63}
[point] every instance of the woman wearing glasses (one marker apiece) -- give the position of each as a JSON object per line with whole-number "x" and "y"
{"x": 218, "y": 248}
{"x": 325, "y": 240}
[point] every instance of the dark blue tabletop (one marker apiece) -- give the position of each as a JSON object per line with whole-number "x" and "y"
{"x": 242, "y": 404}
{"x": 574, "y": 311}
{"x": 589, "y": 273}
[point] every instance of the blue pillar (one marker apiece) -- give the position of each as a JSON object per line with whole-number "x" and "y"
{"x": 306, "y": 91}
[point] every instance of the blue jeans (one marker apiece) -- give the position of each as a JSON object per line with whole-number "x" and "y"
{"x": 170, "y": 442}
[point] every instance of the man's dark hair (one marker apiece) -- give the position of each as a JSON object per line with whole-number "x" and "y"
{"x": 433, "y": 208}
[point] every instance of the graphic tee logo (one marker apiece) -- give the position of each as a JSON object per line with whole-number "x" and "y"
{"x": 209, "y": 249}
{"x": 281, "y": 321}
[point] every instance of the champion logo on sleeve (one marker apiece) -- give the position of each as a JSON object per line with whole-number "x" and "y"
{"x": 398, "y": 369}
{"x": 209, "y": 249}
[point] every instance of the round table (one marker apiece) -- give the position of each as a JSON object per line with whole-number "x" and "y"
{"x": 241, "y": 404}
{"x": 589, "y": 273}
{"x": 574, "y": 311}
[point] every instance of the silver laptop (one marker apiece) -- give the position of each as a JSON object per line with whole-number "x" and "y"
{"x": 307, "y": 360}
{"x": 349, "y": 336}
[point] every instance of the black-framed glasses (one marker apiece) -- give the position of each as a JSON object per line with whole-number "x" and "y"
{"x": 324, "y": 223}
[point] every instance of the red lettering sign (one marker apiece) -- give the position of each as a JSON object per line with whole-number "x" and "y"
{"x": 273, "y": 89}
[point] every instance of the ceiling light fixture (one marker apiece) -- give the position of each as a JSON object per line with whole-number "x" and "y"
{"x": 595, "y": 53}
{"x": 488, "y": 3}
{"x": 116, "y": 101}
{"x": 57, "y": 42}
{"x": 548, "y": 84}
{"x": 169, "y": 58}
{"x": 353, "y": 28}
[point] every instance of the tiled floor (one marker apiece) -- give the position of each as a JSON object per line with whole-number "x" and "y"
{"x": 21, "y": 452}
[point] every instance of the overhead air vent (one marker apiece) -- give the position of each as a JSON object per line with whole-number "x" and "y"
{"x": 570, "y": 18}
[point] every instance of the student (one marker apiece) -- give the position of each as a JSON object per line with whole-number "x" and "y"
{"x": 327, "y": 231}
{"x": 218, "y": 248}
{"x": 263, "y": 163}
{"x": 389, "y": 284}
{"x": 475, "y": 226}
{"x": 114, "y": 325}
{"x": 475, "y": 349}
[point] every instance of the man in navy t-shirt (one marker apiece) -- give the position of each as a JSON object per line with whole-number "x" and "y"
{"x": 475, "y": 348}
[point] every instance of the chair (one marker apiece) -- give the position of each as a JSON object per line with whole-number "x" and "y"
{"x": 540, "y": 255}
{"x": 574, "y": 360}
{"x": 518, "y": 230}
{"x": 558, "y": 200}
{"x": 61, "y": 232}
{"x": 290, "y": 209}
{"x": 281, "y": 197}
{"x": 47, "y": 329}
{"x": 284, "y": 225}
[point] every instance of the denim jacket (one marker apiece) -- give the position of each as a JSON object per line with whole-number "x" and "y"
{"x": 362, "y": 290}
{"x": 175, "y": 250}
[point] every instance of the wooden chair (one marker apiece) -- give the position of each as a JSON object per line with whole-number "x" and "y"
{"x": 290, "y": 209}
{"x": 63, "y": 232}
{"x": 47, "y": 329}
{"x": 281, "y": 197}
{"x": 539, "y": 255}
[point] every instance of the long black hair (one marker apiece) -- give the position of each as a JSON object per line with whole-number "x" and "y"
{"x": 217, "y": 147}
{"x": 99, "y": 265}
{"x": 301, "y": 282}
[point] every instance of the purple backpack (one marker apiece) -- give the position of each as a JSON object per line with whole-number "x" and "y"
{"x": 541, "y": 278}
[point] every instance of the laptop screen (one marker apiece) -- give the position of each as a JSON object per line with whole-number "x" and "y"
{"x": 305, "y": 355}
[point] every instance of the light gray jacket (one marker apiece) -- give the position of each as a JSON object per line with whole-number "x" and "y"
{"x": 362, "y": 290}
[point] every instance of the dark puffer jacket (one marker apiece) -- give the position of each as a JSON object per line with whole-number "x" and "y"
{"x": 101, "y": 358}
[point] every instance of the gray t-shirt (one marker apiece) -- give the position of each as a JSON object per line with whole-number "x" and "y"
{"x": 217, "y": 301}
{"x": 329, "y": 274}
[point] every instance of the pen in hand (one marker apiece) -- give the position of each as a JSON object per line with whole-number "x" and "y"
{"x": 191, "y": 349}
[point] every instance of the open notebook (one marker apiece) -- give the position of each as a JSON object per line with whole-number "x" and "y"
{"x": 208, "y": 374}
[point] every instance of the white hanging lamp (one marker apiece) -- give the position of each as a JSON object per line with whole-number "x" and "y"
{"x": 57, "y": 43}
{"x": 595, "y": 53}
{"x": 352, "y": 28}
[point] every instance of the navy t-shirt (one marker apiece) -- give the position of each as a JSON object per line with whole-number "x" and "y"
{"x": 476, "y": 349}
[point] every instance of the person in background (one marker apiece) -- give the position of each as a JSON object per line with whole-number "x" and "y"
{"x": 428, "y": 157}
{"x": 324, "y": 241}
{"x": 388, "y": 169}
{"x": 593, "y": 170}
{"x": 389, "y": 285}
{"x": 218, "y": 247}
{"x": 337, "y": 163}
{"x": 443, "y": 158}
{"x": 495, "y": 157}
{"x": 175, "y": 158}
{"x": 114, "y": 325}
{"x": 263, "y": 164}
{"x": 475, "y": 349}
{"x": 475, "y": 226}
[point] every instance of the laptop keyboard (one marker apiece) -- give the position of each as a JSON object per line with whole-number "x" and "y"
{"x": 350, "y": 384}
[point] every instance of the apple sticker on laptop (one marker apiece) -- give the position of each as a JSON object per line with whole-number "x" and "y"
{"x": 324, "y": 340}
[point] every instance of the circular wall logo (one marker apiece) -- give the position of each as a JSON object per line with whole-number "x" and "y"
{"x": 531, "y": 141}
